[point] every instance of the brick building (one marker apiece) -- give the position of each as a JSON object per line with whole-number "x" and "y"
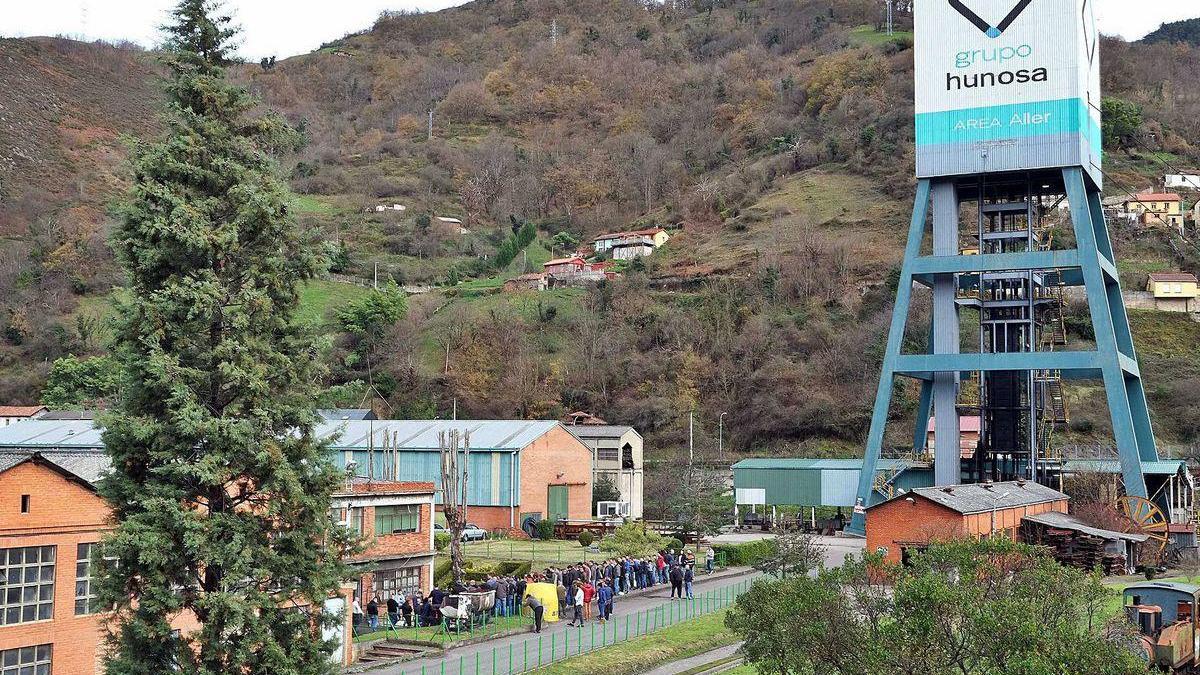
{"x": 396, "y": 521}
{"x": 517, "y": 469}
{"x": 50, "y": 517}
{"x": 912, "y": 520}
{"x": 50, "y": 520}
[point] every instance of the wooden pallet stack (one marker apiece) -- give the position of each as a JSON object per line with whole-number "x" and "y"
{"x": 1073, "y": 548}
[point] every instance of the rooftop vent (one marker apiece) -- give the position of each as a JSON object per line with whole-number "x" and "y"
{"x": 948, "y": 490}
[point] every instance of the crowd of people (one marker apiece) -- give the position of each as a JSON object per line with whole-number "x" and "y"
{"x": 586, "y": 591}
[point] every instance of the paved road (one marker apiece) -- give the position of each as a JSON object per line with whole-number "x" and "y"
{"x": 632, "y": 614}
{"x": 684, "y": 665}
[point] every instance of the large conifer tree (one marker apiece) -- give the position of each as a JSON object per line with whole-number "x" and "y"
{"x": 219, "y": 489}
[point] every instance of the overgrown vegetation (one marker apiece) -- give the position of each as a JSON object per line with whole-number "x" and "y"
{"x": 986, "y": 607}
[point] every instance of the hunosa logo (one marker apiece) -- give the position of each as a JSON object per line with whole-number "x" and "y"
{"x": 998, "y": 55}
{"x": 987, "y": 28}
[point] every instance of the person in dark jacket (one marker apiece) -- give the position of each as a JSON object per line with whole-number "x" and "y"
{"x": 393, "y": 609}
{"x": 407, "y": 610}
{"x": 604, "y": 598}
{"x": 676, "y": 577}
{"x": 538, "y": 609}
{"x": 689, "y": 575}
{"x": 373, "y": 614}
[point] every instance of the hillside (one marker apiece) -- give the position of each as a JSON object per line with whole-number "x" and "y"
{"x": 773, "y": 138}
{"x": 1187, "y": 31}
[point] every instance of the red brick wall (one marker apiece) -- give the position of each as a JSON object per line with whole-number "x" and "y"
{"x": 64, "y": 514}
{"x": 556, "y": 458}
{"x": 923, "y": 521}
{"x": 391, "y": 545}
{"x": 492, "y": 517}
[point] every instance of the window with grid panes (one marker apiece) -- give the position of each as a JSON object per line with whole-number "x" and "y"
{"x": 27, "y": 581}
{"x": 26, "y": 660}
{"x": 356, "y": 518}
{"x": 608, "y": 454}
{"x": 400, "y": 518}
{"x": 397, "y": 583}
{"x": 85, "y": 592}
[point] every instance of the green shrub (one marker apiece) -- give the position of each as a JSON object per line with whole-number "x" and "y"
{"x": 441, "y": 540}
{"x": 672, "y": 544}
{"x": 741, "y": 555}
{"x": 545, "y": 529}
{"x": 586, "y": 538}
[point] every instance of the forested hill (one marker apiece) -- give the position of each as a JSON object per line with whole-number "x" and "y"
{"x": 773, "y": 138}
{"x": 1187, "y": 31}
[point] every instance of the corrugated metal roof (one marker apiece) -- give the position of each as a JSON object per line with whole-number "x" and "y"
{"x": 42, "y": 434}
{"x": 582, "y": 431}
{"x": 1067, "y": 522}
{"x": 982, "y": 497}
{"x": 1168, "y": 585}
{"x": 789, "y": 463}
{"x": 346, "y": 435}
{"x": 340, "y": 414}
{"x": 1163, "y": 467}
{"x": 423, "y": 434}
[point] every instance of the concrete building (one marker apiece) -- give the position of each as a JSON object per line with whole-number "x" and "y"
{"x": 655, "y": 236}
{"x": 1174, "y": 291}
{"x": 911, "y": 521}
{"x": 396, "y": 521}
{"x": 20, "y": 413}
{"x": 618, "y": 456}
{"x": 633, "y": 249}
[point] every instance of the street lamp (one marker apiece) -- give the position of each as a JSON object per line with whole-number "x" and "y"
{"x": 995, "y": 503}
{"x": 721, "y": 435}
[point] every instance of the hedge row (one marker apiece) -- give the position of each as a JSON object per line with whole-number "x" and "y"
{"x": 743, "y": 555}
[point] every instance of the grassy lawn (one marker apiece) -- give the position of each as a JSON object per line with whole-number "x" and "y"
{"x": 541, "y": 553}
{"x": 318, "y": 296}
{"x": 867, "y": 35}
{"x": 649, "y": 651}
{"x": 435, "y": 633}
{"x": 313, "y": 204}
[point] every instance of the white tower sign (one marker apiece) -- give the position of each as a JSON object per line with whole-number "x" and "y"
{"x": 1004, "y": 85}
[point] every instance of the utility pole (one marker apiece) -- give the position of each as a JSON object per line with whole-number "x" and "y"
{"x": 375, "y": 283}
{"x": 691, "y": 437}
{"x": 890, "y": 25}
{"x": 554, "y": 32}
{"x": 454, "y": 410}
{"x": 721, "y": 435}
{"x": 431, "y": 124}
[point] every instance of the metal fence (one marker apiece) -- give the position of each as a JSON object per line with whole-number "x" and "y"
{"x": 542, "y": 650}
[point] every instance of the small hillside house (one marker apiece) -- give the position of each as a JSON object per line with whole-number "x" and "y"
{"x": 1157, "y": 208}
{"x": 1174, "y": 291}
{"x": 655, "y": 236}
{"x": 633, "y": 249}
{"x": 20, "y": 413}
{"x": 526, "y": 282}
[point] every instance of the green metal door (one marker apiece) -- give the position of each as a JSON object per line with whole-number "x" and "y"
{"x": 556, "y": 503}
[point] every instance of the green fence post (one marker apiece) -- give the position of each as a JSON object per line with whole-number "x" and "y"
{"x": 566, "y": 645}
{"x": 592, "y": 630}
{"x": 552, "y": 650}
{"x": 461, "y": 658}
{"x": 443, "y": 667}
{"x": 509, "y": 658}
{"x": 604, "y": 635}
{"x": 526, "y": 649}
{"x": 476, "y": 663}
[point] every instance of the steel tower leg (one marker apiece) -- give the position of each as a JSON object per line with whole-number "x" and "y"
{"x": 1114, "y": 342}
{"x": 883, "y": 396}
{"x": 947, "y": 456}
